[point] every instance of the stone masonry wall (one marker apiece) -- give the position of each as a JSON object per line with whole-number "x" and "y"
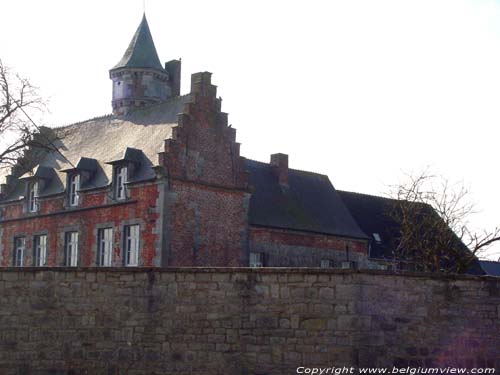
{"x": 241, "y": 321}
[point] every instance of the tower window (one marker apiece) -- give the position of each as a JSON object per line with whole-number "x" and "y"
{"x": 40, "y": 250}
{"x": 33, "y": 197}
{"x": 74, "y": 186}
{"x": 377, "y": 238}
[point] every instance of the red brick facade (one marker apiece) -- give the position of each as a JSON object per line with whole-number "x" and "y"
{"x": 287, "y": 248}
{"x": 194, "y": 213}
{"x": 54, "y": 218}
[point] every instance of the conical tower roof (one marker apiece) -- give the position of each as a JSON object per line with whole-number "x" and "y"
{"x": 141, "y": 52}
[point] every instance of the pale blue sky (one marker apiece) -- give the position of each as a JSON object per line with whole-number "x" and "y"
{"x": 358, "y": 90}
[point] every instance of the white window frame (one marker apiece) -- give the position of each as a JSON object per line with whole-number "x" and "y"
{"x": 33, "y": 197}
{"x": 326, "y": 263}
{"x": 40, "y": 244}
{"x": 74, "y": 186}
{"x": 256, "y": 260}
{"x": 349, "y": 264}
{"x": 132, "y": 235}
{"x": 71, "y": 248}
{"x": 19, "y": 250}
{"x": 105, "y": 247}
{"x": 121, "y": 179}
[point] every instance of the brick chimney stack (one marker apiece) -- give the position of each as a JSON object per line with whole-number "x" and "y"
{"x": 280, "y": 164}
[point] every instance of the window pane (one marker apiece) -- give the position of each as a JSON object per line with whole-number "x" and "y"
{"x": 73, "y": 190}
{"x": 326, "y": 263}
{"x": 256, "y": 260}
{"x": 105, "y": 246}
{"x": 33, "y": 197}
{"x": 121, "y": 179}
{"x": 41, "y": 250}
{"x": 132, "y": 242}
{"x": 20, "y": 245}
{"x": 72, "y": 249}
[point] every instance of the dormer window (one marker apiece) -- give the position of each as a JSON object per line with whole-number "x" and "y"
{"x": 121, "y": 179}
{"x": 74, "y": 186}
{"x": 33, "y": 197}
{"x": 78, "y": 176}
{"x": 377, "y": 238}
{"x": 124, "y": 169}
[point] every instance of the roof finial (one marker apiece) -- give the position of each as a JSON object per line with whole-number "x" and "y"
{"x": 144, "y": 6}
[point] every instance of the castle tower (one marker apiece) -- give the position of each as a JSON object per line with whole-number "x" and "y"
{"x": 139, "y": 79}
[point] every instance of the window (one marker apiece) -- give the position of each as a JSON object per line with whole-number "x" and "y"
{"x": 71, "y": 248}
{"x": 132, "y": 245}
{"x": 105, "y": 247}
{"x": 40, "y": 250}
{"x": 19, "y": 247}
{"x": 121, "y": 179}
{"x": 326, "y": 263}
{"x": 33, "y": 197}
{"x": 377, "y": 238}
{"x": 256, "y": 260}
{"x": 349, "y": 264}
{"x": 74, "y": 186}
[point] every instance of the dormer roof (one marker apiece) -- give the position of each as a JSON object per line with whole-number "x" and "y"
{"x": 130, "y": 155}
{"x": 38, "y": 172}
{"x": 84, "y": 164}
{"x": 141, "y": 52}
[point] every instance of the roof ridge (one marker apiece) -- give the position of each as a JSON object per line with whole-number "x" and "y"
{"x": 290, "y": 169}
{"x": 59, "y": 127}
{"x": 384, "y": 198}
{"x": 365, "y": 194}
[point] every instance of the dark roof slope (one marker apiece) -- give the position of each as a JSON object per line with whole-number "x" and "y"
{"x": 491, "y": 267}
{"x": 141, "y": 52}
{"x": 310, "y": 203}
{"x": 372, "y": 213}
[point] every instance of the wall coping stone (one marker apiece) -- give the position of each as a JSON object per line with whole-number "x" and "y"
{"x": 263, "y": 270}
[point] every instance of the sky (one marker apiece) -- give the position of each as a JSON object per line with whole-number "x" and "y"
{"x": 362, "y": 91}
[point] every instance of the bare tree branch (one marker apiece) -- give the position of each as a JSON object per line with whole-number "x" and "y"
{"x": 432, "y": 220}
{"x": 18, "y": 133}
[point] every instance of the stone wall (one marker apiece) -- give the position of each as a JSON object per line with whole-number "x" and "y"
{"x": 241, "y": 321}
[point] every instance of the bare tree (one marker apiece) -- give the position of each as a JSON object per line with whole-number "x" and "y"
{"x": 19, "y": 103}
{"x": 432, "y": 224}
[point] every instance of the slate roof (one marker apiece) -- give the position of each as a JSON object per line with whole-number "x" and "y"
{"x": 138, "y": 137}
{"x": 141, "y": 52}
{"x": 372, "y": 214}
{"x": 310, "y": 202}
{"x": 491, "y": 267}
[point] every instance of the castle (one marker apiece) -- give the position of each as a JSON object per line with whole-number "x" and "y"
{"x": 161, "y": 183}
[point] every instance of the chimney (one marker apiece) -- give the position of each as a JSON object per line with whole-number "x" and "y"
{"x": 173, "y": 68}
{"x": 280, "y": 164}
{"x": 201, "y": 83}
